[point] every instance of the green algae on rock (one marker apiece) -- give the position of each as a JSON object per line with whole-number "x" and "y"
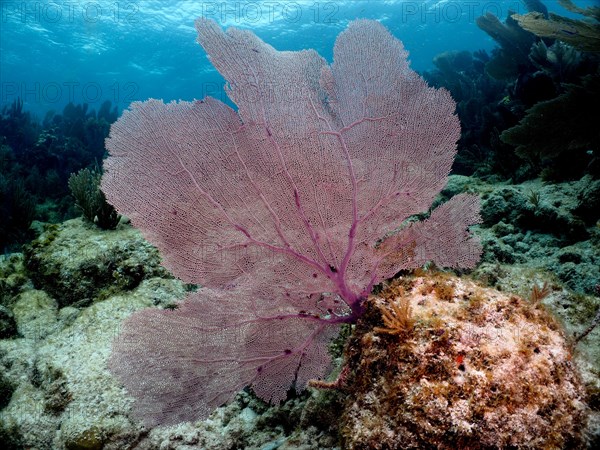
{"x": 76, "y": 263}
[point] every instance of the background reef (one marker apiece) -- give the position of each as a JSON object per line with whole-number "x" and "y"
{"x": 528, "y": 108}
{"x": 37, "y": 159}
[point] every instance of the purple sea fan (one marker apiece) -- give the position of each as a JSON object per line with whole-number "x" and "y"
{"x": 283, "y": 210}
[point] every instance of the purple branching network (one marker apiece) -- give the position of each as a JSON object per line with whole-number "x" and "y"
{"x": 287, "y": 211}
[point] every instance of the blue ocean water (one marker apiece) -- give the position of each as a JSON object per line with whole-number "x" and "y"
{"x": 55, "y": 52}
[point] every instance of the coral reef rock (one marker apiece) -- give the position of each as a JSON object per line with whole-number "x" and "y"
{"x": 440, "y": 362}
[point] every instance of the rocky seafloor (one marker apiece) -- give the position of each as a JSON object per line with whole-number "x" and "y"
{"x": 63, "y": 299}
